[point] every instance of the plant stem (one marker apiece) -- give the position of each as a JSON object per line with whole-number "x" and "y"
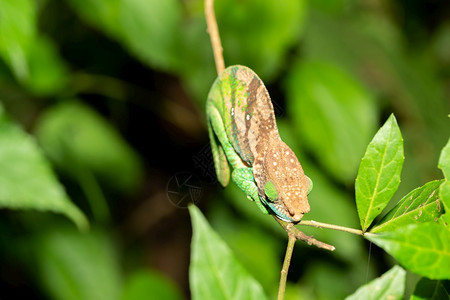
{"x": 291, "y": 230}
{"x": 330, "y": 226}
{"x": 286, "y": 264}
{"x": 213, "y": 31}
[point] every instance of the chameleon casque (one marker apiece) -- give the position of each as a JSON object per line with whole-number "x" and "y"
{"x": 243, "y": 133}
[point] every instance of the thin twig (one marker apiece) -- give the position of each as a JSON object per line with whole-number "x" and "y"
{"x": 290, "y": 229}
{"x": 286, "y": 264}
{"x": 331, "y": 226}
{"x": 213, "y": 31}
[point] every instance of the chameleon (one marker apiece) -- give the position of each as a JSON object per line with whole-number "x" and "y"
{"x": 243, "y": 133}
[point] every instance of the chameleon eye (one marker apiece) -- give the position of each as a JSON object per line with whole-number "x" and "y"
{"x": 310, "y": 185}
{"x": 271, "y": 191}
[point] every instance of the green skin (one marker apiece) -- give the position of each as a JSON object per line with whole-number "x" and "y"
{"x": 244, "y": 134}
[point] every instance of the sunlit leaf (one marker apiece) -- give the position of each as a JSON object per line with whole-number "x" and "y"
{"x": 26, "y": 177}
{"x": 335, "y": 115}
{"x": 379, "y": 172}
{"x": 78, "y": 266}
{"x": 78, "y": 139}
{"x": 427, "y": 289}
{"x": 150, "y": 285}
{"x": 214, "y": 271}
{"x": 419, "y": 206}
{"x": 421, "y": 248}
{"x": 389, "y": 286}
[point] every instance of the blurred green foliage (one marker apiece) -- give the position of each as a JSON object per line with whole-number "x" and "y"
{"x": 429, "y": 289}
{"x": 26, "y": 178}
{"x": 336, "y": 116}
{"x": 214, "y": 268}
{"x": 114, "y": 91}
{"x": 75, "y": 266}
{"x": 388, "y": 286}
{"x": 31, "y": 56}
{"x": 76, "y": 138}
{"x": 141, "y": 284}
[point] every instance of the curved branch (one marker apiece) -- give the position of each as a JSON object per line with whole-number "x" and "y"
{"x": 291, "y": 230}
{"x": 213, "y": 31}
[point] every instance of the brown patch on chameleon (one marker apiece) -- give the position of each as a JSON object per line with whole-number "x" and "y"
{"x": 282, "y": 168}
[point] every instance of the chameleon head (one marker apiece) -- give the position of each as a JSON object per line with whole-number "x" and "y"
{"x": 286, "y": 186}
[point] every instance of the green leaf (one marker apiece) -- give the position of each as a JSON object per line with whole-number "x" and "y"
{"x": 421, "y": 248}
{"x": 17, "y": 30}
{"x": 427, "y": 289}
{"x": 391, "y": 285}
{"x": 78, "y": 266}
{"x": 334, "y": 114}
{"x": 152, "y": 25}
{"x": 419, "y": 206}
{"x": 78, "y": 139}
{"x": 26, "y": 177}
{"x": 32, "y": 58}
{"x": 379, "y": 172}
{"x": 148, "y": 284}
{"x": 214, "y": 271}
{"x": 48, "y": 72}
{"x": 444, "y": 192}
{"x": 251, "y": 236}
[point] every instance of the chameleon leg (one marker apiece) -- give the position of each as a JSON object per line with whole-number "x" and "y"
{"x": 242, "y": 175}
{"x": 217, "y": 125}
{"x": 244, "y": 179}
{"x": 220, "y": 160}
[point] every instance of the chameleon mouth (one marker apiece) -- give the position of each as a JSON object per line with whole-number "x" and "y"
{"x": 280, "y": 211}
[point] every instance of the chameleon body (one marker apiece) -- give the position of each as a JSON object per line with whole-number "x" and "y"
{"x": 243, "y": 133}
